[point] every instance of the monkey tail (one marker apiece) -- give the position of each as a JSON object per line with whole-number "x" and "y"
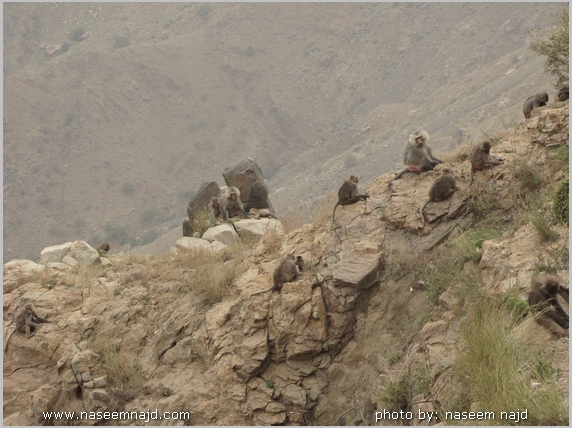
{"x": 334, "y": 213}
{"x": 471, "y": 179}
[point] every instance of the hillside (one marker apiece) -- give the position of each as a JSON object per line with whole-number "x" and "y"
{"x": 389, "y": 314}
{"x": 111, "y": 136}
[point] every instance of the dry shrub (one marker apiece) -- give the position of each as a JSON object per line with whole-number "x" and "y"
{"x": 483, "y": 201}
{"x": 527, "y": 174}
{"x": 460, "y": 154}
{"x": 272, "y": 240}
{"x": 125, "y": 377}
{"x": 81, "y": 275}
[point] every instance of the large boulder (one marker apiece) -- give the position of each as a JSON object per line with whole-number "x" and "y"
{"x": 247, "y": 176}
{"x": 199, "y": 203}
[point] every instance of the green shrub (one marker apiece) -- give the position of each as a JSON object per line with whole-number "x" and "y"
{"x": 470, "y": 242}
{"x": 560, "y": 205}
{"x": 121, "y": 42}
{"x": 76, "y": 34}
{"x": 128, "y": 189}
{"x": 554, "y": 45}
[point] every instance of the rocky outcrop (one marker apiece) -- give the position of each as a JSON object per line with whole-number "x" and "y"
{"x": 247, "y": 176}
{"x": 311, "y": 352}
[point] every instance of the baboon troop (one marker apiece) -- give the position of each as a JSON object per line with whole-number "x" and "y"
{"x": 262, "y": 212}
{"x": 563, "y": 91}
{"x": 286, "y": 271}
{"x": 348, "y": 194}
{"x": 417, "y": 155}
{"x": 230, "y": 203}
{"x": 24, "y": 321}
{"x": 542, "y": 300}
{"x": 481, "y": 158}
{"x": 103, "y": 247}
{"x": 534, "y": 101}
{"x": 442, "y": 188}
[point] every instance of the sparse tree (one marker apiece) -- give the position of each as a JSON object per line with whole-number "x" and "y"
{"x": 553, "y": 44}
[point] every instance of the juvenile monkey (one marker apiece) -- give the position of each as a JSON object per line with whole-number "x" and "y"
{"x": 417, "y": 155}
{"x": 442, "y": 188}
{"x": 286, "y": 271}
{"x": 230, "y": 203}
{"x": 481, "y": 158}
{"x": 214, "y": 208}
{"x": 542, "y": 299}
{"x": 348, "y": 194}
{"x": 262, "y": 212}
{"x": 534, "y": 101}
{"x": 25, "y": 319}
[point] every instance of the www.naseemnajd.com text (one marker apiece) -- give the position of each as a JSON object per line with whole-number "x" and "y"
{"x": 515, "y": 416}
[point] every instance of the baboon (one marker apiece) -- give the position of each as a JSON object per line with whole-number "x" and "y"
{"x": 348, "y": 194}
{"x": 564, "y": 293}
{"x": 230, "y": 203}
{"x": 534, "y": 101}
{"x": 103, "y": 247}
{"x": 563, "y": 91}
{"x": 442, "y": 188}
{"x": 214, "y": 208}
{"x": 417, "y": 155}
{"x": 262, "y": 212}
{"x": 542, "y": 299}
{"x": 481, "y": 158}
{"x": 299, "y": 263}
{"x": 286, "y": 271}
{"x": 26, "y": 318}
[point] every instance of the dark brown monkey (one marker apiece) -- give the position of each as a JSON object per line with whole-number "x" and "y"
{"x": 262, "y": 212}
{"x": 348, "y": 194}
{"x": 103, "y": 247}
{"x": 563, "y": 91}
{"x": 542, "y": 299}
{"x": 230, "y": 203}
{"x": 286, "y": 271}
{"x": 481, "y": 158}
{"x": 299, "y": 263}
{"x": 534, "y": 101}
{"x": 564, "y": 293}
{"x": 214, "y": 208}
{"x": 417, "y": 155}
{"x": 442, "y": 188}
{"x": 24, "y": 321}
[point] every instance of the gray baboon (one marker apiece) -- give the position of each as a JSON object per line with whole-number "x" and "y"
{"x": 542, "y": 299}
{"x": 534, "y": 101}
{"x": 214, "y": 208}
{"x": 563, "y": 91}
{"x": 481, "y": 158}
{"x": 230, "y": 203}
{"x": 442, "y": 188}
{"x": 417, "y": 155}
{"x": 348, "y": 194}
{"x": 286, "y": 271}
{"x": 262, "y": 212}
{"x": 24, "y": 320}
{"x": 103, "y": 247}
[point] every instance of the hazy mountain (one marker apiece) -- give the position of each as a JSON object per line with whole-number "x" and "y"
{"x": 146, "y": 101}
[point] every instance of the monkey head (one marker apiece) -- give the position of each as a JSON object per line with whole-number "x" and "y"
{"x": 543, "y": 96}
{"x": 353, "y": 178}
{"x": 551, "y": 284}
{"x": 487, "y": 146}
{"x": 419, "y": 137}
{"x": 232, "y": 192}
{"x": 214, "y": 201}
{"x": 28, "y": 308}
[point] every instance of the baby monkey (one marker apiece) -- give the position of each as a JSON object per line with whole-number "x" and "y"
{"x": 442, "y": 188}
